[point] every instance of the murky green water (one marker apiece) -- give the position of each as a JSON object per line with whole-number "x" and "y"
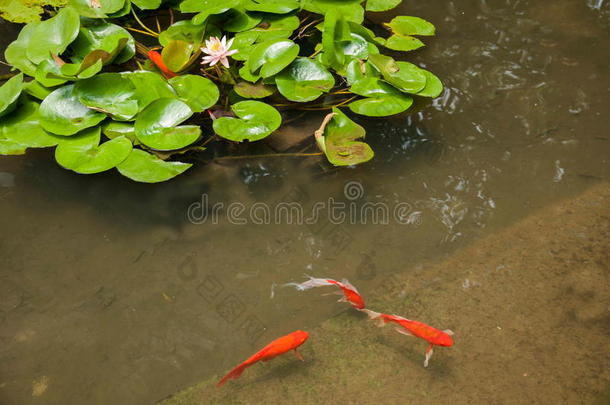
{"x": 110, "y": 292}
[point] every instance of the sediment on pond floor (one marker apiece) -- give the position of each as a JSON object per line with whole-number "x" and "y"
{"x": 528, "y": 306}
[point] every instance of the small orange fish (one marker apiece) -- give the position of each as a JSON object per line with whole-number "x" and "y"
{"x": 418, "y": 329}
{"x": 157, "y": 59}
{"x": 279, "y": 346}
{"x": 350, "y": 294}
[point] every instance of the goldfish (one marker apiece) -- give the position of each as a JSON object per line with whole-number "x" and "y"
{"x": 350, "y": 293}
{"x": 157, "y": 59}
{"x": 408, "y": 327}
{"x": 279, "y": 346}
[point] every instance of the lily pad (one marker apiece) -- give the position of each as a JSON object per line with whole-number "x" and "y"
{"x": 53, "y": 36}
{"x": 110, "y": 93}
{"x": 150, "y": 86}
{"x": 196, "y": 91}
{"x": 271, "y": 57}
{"x": 381, "y": 5}
{"x": 400, "y": 43}
{"x": 434, "y": 87}
{"x": 147, "y": 4}
{"x": 62, "y": 113}
{"x": 253, "y": 90}
{"x": 340, "y": 141}
{"x": 404, "y": 76}
{"x": 405, "y": 25}
{"x": 381, "y": 106}
{"x": 9, "y": 93}
{"x": 255, "y": 121}
{"x": 16, "y": 52}
{"x": 115, "y": 41}
{"x": 156, "y": 126}
{"x": 115, "y": 129}
{"x": 83, "y": 153}
{"x": 22, "y": 127}
{"x": 183, "y": 30}
{"x": 304, "y": 80}
{"x": 351, "y": 10}
{"x": 272, "y": 6}
{"x": 96, "y": 8}
{"x": 146, "y": 168}
{"x": 8, "y": 147}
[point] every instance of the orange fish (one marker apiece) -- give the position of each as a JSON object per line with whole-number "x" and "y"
{"x": 350, "y": 294}
{"x": 418, "y": 329}
{"x": 279, "y": 346}
{"x": 157, "y": 59}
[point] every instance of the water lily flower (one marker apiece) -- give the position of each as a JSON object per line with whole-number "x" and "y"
{"x": 217, "y": 51}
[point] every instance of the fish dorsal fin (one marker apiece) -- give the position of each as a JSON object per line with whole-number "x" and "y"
{"x": 349, "y": 285}
{"x": 449, "y": 332}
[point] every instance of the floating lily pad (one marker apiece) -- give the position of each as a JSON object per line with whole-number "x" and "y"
{"x": 8, "y": 147}
{"x": 115, "y": 41}
{"x": 351, "y": 10}
{"x": 96, "y": 8}
{"x": 62, "y": 113}
{"x": 37, "y": 90}
{"x": 434, "y": 87}
{"x": 304, "y": 80}
{"x": 16, "y": 52}
{"x": 83, "y": 153}
{"x": 271, "y": 57}
{"x": 150, "y": 86}
{"x": 110, "y": 93}
{"x": 9, "y": 93}
{"x": 381, "y": 5}
{"x": 272, "y": 6}
{"x": 381, "y": 106}
{"x": 404, "y": 76}
{"x": 196, "y": 91}
{"x": 340, "y": 141}
{"x": 253, "y": 90}
{"x": 183, "y": 30}
{"x": 237, "y": 20}
{"x": 53, "y": 36}
{"x": 405, "y": 25}
{"x": 256, "y": 121}
{"x": 146, "y": 168}
{"x": 156, "y": 126}
{"x": 147, "y": 4}
{"x": 177, "y": 54}
{"x": 115, "y": 129}
{"x": 22, "y": 127}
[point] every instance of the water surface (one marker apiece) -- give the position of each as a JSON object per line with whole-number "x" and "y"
{"x": 110, "y": 294}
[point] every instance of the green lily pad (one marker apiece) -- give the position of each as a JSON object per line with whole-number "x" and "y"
{"x": 110, "y": 93}
{"x": 150, "y": 86}
{"x": 256, "y": 121}
{"x": 96, "y": 8}
{"x": 177, "y": 54}
{"x": 22, "y": 127}
{"x": 350, "y": 10}
{"x": 53, "y": 36}
{"x": 61, "y": 113}
{"x": 400, "y": 43}
{"x": 271, "y": 57}
{"x": 146, "y": 168}
{"x": 115, "y": 129}
{"x": 196, "y": 91}
{"x": 16, "y": 52}
{"x": 156, "y": 126}
{"x": 183, "y": 30}
{"x": 37, "y": 90}
{"x": 381, "y": 106}
{"x": 358, "y": 69}
{"x": 147, "y": 4}
{"x": 381, "y": 5}
{"x": 83, "y": 153}
{"x": 340, "y": 141}
{"x": 8, "y": 147}
{"x": 304, "y": 80}
{"x": 115, "y": 41}
{"x": 9, "y": 93}
{"x": 237, "y": 20}
{"x": 206, "y": 8}
{"x": 272, "y": 6}
{"x": 404, "y": 76}
{"x": 404, "y": 25}
{"x": 434, "y": 87}
{"x": 253, "y": 90}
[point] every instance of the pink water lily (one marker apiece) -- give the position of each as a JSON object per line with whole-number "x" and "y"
{"x": 217, "y": 51}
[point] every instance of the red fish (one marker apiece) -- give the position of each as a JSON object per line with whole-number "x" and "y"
{"x": 350, "y": 294}
{"x": 157, "y": 59}
{"x": 279, "y": 346}
{"x": 418, "y": 329}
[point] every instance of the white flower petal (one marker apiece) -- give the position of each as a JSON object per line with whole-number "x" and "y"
{"x": 225, "y": 62}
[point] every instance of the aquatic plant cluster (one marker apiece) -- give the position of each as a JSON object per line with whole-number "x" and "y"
{"x": 350, "y": 295}
{"x": 220, "y": 70}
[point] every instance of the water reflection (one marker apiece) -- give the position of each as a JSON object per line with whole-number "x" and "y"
{"x": 105, "y": 280}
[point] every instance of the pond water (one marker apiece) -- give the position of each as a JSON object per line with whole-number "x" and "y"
{"x": 116, "y": 292}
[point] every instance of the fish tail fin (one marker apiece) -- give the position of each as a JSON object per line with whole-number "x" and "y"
{"x": 376, "y": 316}
{"x": 311, "y": 283}
{"x": 235, "y": 373}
